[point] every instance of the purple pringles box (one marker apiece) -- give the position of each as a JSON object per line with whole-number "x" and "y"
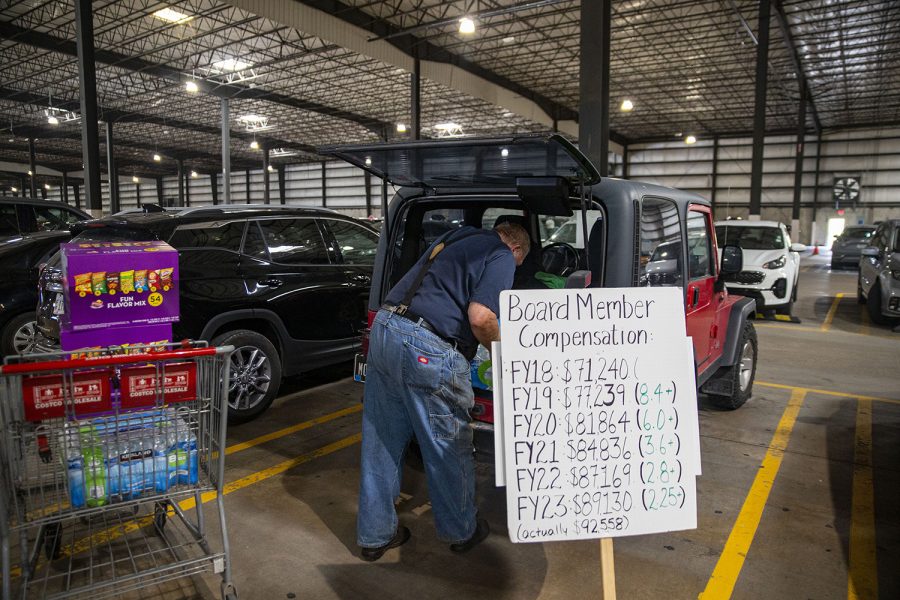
{"x": 124, "y": 337}
{"x": 111, "y": 284}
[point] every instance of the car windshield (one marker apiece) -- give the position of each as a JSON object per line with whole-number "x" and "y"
{"x": 857, "y": 233}
{"x": 750, "y": 237}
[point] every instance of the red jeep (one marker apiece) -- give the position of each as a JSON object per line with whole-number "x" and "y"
{"x": 585, "y": 231}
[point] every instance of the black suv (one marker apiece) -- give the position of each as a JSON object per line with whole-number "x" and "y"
{"x": 287, "y": 287}
{"x": 30, "y": 232}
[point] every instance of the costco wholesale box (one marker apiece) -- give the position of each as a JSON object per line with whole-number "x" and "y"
{"x": 115, "y": 284}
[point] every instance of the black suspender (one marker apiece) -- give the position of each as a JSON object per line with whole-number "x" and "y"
{"x": 435, "y": 251}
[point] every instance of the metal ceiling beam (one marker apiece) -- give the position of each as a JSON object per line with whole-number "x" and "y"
{"x": 427, "y": 51}
{"x": 788, "y": 37}
{"x": 119, "y": 116}
{"x": 222, "y": 90}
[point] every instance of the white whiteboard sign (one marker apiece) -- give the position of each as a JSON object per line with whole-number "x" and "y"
{"x": 599, "y": 413}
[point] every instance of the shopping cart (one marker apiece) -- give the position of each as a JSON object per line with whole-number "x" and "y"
{"x": 98, "y": 453}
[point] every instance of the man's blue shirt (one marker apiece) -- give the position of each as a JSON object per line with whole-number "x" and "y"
{"x": 474, "y": 269}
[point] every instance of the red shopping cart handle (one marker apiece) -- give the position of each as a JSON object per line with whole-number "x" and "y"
{"x": 104, "y": 361}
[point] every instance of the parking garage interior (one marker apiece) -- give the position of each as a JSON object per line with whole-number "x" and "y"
{"x": 784, "y": 111}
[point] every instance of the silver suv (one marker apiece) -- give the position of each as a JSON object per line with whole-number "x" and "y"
{"x": 879, "y": 273}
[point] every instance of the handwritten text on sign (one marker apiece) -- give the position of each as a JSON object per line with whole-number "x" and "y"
{"x": 599, "y": 413}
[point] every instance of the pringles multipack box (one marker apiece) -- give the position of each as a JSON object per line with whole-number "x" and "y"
{"x": 114, "y": 284}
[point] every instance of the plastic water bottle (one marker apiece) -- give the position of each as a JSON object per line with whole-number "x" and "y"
{"x": 160, "y": 464}
{"x": 94, "y": 467}
{"x": 75, "y": 468}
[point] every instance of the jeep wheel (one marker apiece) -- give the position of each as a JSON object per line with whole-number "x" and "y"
{"x": 741, "y": 373}
{"x": 19, "y": 335}
{"x": 873, "y": 305}
{"x": 255, "y": 371}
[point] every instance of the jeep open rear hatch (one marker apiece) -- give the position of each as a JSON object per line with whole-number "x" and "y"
{"x": 471, "y": 162}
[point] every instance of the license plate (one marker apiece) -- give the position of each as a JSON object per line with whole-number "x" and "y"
{"x": 59, "y": 305}
{"x": 359, "y": 368}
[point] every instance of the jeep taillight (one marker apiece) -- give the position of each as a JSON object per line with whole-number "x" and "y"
{"x": 365, "y": 335}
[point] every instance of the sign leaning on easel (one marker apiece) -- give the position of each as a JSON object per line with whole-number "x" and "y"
{"x": 597, "y": 433}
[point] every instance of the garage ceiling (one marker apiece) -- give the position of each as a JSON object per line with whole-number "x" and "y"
{"x": 687, "y": 65}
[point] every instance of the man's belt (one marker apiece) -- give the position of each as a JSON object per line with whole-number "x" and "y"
{"x": 468, "y": 351}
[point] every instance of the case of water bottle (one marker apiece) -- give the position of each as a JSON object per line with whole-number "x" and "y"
{"x": 121, "y": 457}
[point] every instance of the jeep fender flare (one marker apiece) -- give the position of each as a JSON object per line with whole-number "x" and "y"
{"x": 233, "y": 316}
{"x": 740, "y": 313}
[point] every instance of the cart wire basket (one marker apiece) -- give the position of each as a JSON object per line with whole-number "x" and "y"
{"x": 99, "y": 452}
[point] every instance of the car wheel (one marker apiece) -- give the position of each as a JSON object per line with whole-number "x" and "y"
{"x": 19, "y": 335}
{"x": 742, "y": 373}
{"x": 873, "y": 305}
{"x": 255, "y": 370}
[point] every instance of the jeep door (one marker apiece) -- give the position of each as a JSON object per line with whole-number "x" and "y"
{"x": 701, "y": 302}
{"x": 355, "y": 246}
{"x": 291, "y": 277}
{"x": 208, "y": 270}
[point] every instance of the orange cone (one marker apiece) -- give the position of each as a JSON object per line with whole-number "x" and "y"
{"x": 815, "y": 250}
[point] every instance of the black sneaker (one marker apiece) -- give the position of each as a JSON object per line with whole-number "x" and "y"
{"x": 400, "y": 538}
{"x": 482, "y": 529}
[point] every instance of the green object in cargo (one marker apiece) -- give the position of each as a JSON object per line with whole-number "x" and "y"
{"x": 552, "y": 281}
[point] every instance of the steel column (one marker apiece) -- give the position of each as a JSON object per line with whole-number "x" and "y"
{"x": 187, "y": 189}
{"x": 77, "y": 190}
{"x": 593, "y": 111}
{"x": 714, "y": 184}
{"x": 23, "y": 186}
{"x": 798, "y": 163}
{"x": 247, "y": 184}
{"x": 759, "y": 114}
{"x": 159, "y": 191}
{"x": 32, "y": 168}
{"x": 282, "y": 193}
{"x": 64, "y": 191}
{"x": 415, "y": 100}
{"x": 43, "y": 193}
{"x": 214, "y": 185}
{"x": 226, "y": 153}
{"x": 324, "y": 186}
{"x": 266, "y": 174}
{"x": 625, "y": 162}
{"x": 816, "y": 188}
{"x": 111, "y": 170}
{"x": 87, "y": 82}
{"x": 368, "y": 179}
{"x": 180, "y": 164}
{"x": 137, "y": 193}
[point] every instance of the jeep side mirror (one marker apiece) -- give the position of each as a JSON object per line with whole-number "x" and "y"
{"x": 732, "y": 260}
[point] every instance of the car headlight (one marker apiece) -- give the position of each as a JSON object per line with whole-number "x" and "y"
{"x": 775, "y": 264}
{"x": 895, "y": 275}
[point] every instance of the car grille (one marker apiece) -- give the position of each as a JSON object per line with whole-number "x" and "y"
{"x": 746, "y": 277}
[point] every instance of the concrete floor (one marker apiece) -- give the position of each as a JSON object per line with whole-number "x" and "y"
{"x": 291, "y": 514}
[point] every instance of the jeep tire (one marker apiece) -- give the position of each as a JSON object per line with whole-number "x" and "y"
{"x": 255, "y": 370}
{"x": 873, "y": 305}
{"x": 742, "y": 373}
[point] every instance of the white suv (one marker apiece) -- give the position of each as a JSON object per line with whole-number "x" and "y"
{"x": 771, "y": 263}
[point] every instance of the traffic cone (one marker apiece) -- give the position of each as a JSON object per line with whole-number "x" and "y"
{"x": 815, "y": 250}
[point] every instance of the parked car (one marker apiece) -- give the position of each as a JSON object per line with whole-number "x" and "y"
{"x": 287, "y": 287}
{"x": 771, "y": 263}
{"x": 845, "y": 251}
{"x": 30, "y": 233}
{"x": 541, "y": 178}
{"x": 878, "y": 285}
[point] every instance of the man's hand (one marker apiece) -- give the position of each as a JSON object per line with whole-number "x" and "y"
{"x": 484, "y": 324}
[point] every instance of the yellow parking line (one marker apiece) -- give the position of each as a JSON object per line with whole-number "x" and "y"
{"x": 724, "y": 577}
{"x": 292, "y": 429}
{"x": 826, "y": 325}
{"x": 848, "y": 395}
{"x": 862, "y": 581}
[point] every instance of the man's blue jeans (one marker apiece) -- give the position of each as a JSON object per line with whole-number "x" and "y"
{"x": 416, "y": 385}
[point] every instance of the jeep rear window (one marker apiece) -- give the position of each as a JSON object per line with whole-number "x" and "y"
{"x": 661, "y": 249}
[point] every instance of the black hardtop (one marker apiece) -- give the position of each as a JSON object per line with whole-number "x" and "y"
{"x": 40, "y": 202}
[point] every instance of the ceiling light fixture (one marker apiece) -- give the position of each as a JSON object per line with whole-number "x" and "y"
{"x": 46, "y": 186}
{"x": 53, "y": 120}
{"x": 191, "y": 86}
{"x": 509, "y": 40}
{"x": 172, "y": 16}
{"x": 134, "y": 179}
{"x": 368, "y": 162}
{"x": 232, "y": 64}
{"x": 195, "y": 174}
{"x": 690, "y": 140}
{"x": 30, "y": 173}
{"x": 504, "y": 152}
{"x": 401, "y": 127}
{"x": 270, "y": 169}
{"x": 14, "y": 189}
{"x": 627, "y": 105}
{"x": 254, "y": 145}
{"x": 157, "y": 157}
{"x": 466, "y": 25}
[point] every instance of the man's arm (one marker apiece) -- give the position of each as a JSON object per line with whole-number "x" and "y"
{"x": 484, "y": 324}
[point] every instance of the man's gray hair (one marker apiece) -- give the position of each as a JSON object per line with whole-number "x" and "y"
{"x": 515, "y": 233}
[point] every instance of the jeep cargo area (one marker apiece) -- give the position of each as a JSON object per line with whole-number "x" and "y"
{"x": 604, "y": 233}
{"x": 288, "y": 288}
